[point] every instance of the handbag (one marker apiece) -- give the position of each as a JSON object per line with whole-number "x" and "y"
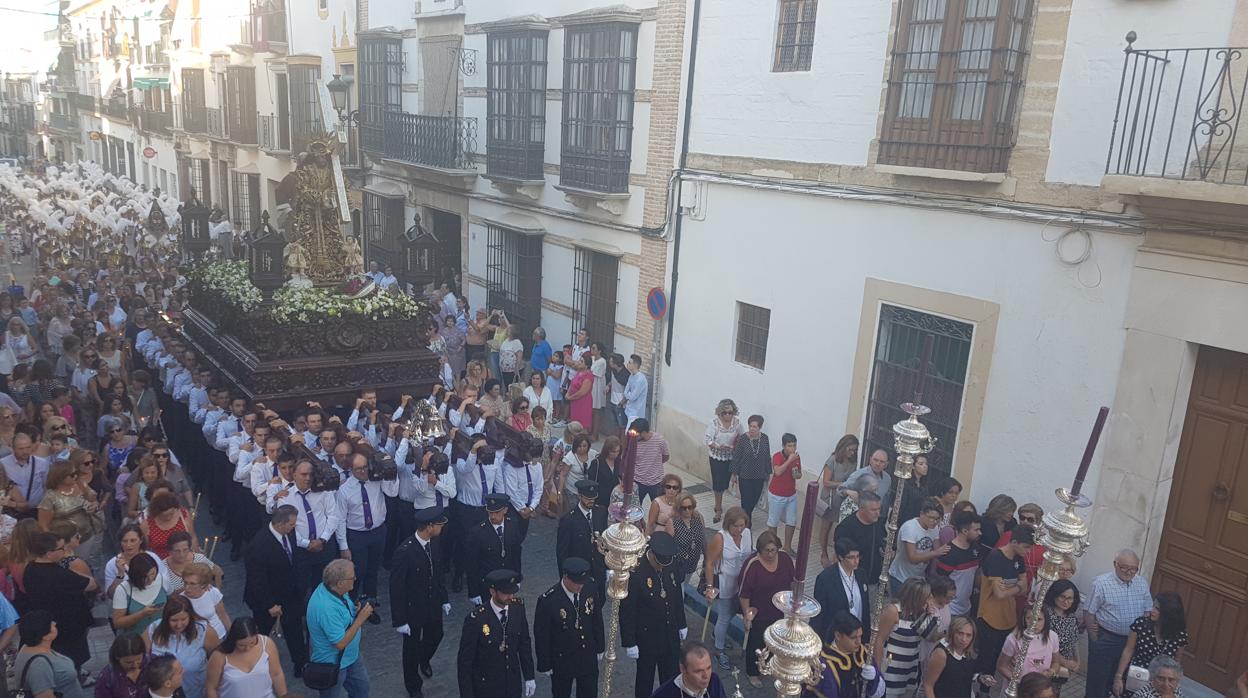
{"x": 322, "y": 676}
{"x": 1137, "y": 678}
{"x": 21, "y": 691}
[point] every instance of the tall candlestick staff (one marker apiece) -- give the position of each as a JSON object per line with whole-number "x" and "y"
{"x": 792, "y": 647}
{"x": 1063, "y": 534}
{"x": 622, "y": 544}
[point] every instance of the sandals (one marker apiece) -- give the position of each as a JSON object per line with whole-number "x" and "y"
{"x": 719, "y": 514}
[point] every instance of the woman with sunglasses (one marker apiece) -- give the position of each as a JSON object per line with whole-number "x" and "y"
{"x": 18, "y": 338}
{"x": 663, "y": 506}
{"x": 689, "y": 529}
{"x": 764, "y": 574}
{"x": 520, "y": 419}
{"x": 574, "y": 468}
{"x": 721, "y": 438}
{"x": 112, "y": 355}
{"x": 116, "y": 446}
{"x": 68, "y": 499}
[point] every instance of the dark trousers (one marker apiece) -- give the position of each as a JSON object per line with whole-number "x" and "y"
{"x": 751, "y": 492}
{"x": 652, "y": 491}
{"x": 753, "y": 643}
{"x": 990, "y": 641}
{"x": 309, "y": 568}
{"x": 292, "y": 630}
{"x": 367, "y": 548}
{"x": 418, "y": 649}
{"x": 586, "y": 681}
{"x": 650, "y": 660}
{"x": 465, "y": 519}
{"x": 1104, "y": 653}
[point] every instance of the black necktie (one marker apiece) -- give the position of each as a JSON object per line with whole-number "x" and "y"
{"x": 589, "y": 518}
{"x": 502, "y": 618}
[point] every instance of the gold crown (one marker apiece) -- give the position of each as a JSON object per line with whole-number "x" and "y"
{"x": 323, "y": 145}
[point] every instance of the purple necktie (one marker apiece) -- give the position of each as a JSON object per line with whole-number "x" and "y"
{"x": 368, "y": 510}
{"x": 290, "y": 555}
{"x": 484, "y": 492}
{"x": 307, "y": 509}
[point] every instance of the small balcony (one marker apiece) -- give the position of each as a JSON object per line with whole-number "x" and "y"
{"x": 438, "y": 142}
{"x": 155, "y": 121}
{"x": 1178, "y": 132}
{"x": 214, "y": 124}
{"x": 274, "y": 133}
{"x": 350, "y": 151}
{"x": 265, "y": 30}
{"x": 115, "y": 109}
{"x": 194, "y": 118}
{"x": 65, "y": 123}
{"x": 84, "y": 102}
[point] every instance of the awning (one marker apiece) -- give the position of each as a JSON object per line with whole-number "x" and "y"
{"x": 151, "y": 83}
{"x": 386, "y": 189}
{"x": 519, "y": 222}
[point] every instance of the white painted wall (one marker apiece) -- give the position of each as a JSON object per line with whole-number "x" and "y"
{"x": 1058, "y": 343}
{"x": 825, "y": 115}
{"x": 1092, "y": 71}
{"x": 493, "y": 10}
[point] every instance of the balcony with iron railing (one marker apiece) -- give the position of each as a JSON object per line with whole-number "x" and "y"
{"x": 214, "y": 124}
{"x": 1178, "y": 129}
{"x": 194, "y": 117}
{"x": 115, "y": 109}
{"x": 349, "y": 152}
{"x": 66, "y": 123}
{"x": 274, "y": 133}
{"x": 265, "y": 29}
{"x": 155, "y": 120}
{"x": 438, "y": 142}
{"x": 84, "y": 102}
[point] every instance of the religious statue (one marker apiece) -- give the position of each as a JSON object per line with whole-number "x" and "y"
{"x": 296, "y": 261}
{"x": 354, "y": 259}
{"x": 314, "y": 222}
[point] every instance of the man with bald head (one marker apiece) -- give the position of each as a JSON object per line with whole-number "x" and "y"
{"x": 1118, "y": 598}
{"x": 877, "y": 468}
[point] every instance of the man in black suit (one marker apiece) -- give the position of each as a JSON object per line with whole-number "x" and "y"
{"x": 418, "y": 597}
{"x": 652, "y": 616}
{"x": 272, "y": 590}
{"x": 576, "y": 537}
{"x": 567, "y": 633}
{"x": 493, "y": 544}
{"x": 495, "y": 653}
{"x": 837, "y": 588}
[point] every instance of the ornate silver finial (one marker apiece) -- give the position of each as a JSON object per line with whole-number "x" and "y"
{"x": 1131, "y": 37}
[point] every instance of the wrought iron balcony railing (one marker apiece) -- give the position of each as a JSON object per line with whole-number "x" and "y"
{"x": 274, "y": 133}
{"x": 63, "y": 122}
{"x": 1180, "y": 115}
{"x": 445, "y": 142}
{"x": 214, "y": 124}
{"x": 84, "y": 102}
{"x": 194, "y": 118}
{"x": 115, "y": 109}
{"x": 350, "y": 151}
{"x": 154, "y": 121}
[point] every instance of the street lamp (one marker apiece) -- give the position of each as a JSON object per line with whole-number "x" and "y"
{"x": 340, "y": 94}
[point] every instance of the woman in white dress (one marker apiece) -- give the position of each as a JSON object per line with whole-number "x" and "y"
{"x": 181, "y": 633}
{"x": 245, "y": 665}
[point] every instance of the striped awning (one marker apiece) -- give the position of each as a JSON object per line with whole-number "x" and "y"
{"x": 151, "y": 83}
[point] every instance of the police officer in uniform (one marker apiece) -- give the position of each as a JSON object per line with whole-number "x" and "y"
{"x": 418, "y": 597}
{"x": 576, "y": 536}
{"x": 567, "y": 632}
{"x": 495, "y": 653}
{"x": 493, "y": 544}
{"x": 652, "y": 617}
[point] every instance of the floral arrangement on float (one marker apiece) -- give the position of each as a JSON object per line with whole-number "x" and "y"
{"x": 229, "y": 281}
{"x": 359, "y": 298}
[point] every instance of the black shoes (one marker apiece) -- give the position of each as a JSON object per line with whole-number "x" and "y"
{"x": 426, "y": 670}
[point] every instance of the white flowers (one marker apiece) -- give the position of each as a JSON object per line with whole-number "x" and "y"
{"x": 229, "y": 279}
{"x": 316, "y": 305}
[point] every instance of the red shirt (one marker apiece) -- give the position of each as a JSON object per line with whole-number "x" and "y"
{"x": 784, "y": 485}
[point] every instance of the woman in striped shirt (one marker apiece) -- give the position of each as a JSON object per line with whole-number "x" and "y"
{"x": 903, "y": 626}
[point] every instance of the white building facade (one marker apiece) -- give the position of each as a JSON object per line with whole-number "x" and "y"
{"x": 865, "y": 175}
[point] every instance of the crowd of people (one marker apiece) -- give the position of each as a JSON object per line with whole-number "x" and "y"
{"x": 113, "y": 432}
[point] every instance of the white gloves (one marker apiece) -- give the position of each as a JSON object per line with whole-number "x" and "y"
{"x": 404, "y": 629}
{"x": 446, "y": 609}
{"x": 600, "y": 656}
{"x": 476, "y": 600}
{"x": 684, "y": 632}
{"x": 632, "y": 652}
{"x": 868, "y": 673}
{"x": 530, "y": 688}
{"x": 610, "y": 575}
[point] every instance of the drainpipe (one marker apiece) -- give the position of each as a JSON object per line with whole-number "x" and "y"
{"x": 684, "y": 158}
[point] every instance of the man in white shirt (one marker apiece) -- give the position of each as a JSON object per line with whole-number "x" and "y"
{"x": 524, "y": 487}
{"x": 475, "y": 479}
{"x": 388, "y": 280}
{"x": 281, "y": 486}
{"x": 917, "y": 544}
{"x": 635, "y": 392}
{"x": 264, "y": 469}
{"x": 319, "y": 527}
{"x": 363, "y": 503}
{"x": 26, "y": 470}
{"x": 434, "y": 482}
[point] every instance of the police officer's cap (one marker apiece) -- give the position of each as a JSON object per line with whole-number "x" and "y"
{"x": 576, "y": 569}
{"x": 505, "y": 581}
{"x": 496, "y": 502}
{"x": 431, "y": 516}
{"x": 663, "y": 546}
{"x": 587, "y": 488}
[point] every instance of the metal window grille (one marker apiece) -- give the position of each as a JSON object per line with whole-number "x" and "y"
{"x": 898, "y": 348}
{"x": 383, "y": 226}
{"x": 246, "y": 201}
{"x": 596, "y": 277}
{"x": 241, "y": 112}
{"x": 516, "y": 104}
{"x": 194, "y": 108}
{"x": 514, "y": 276}
{"x": 795, "y": 35}
{"x": 599, "y": 71}
{"x": 753, "y": 329}
{"x": 955, "y": 83}
{"x": 306, "y": 121}
{"x": 380, "y": 85}
{"x": 197, "y": 176}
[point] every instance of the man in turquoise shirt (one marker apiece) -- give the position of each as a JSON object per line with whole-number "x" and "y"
{"x": 334, "y": 629}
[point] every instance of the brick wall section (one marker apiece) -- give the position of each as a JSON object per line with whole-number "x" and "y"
{"x": 661, "y": 153}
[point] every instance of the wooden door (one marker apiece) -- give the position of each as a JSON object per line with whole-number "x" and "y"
{"x": 1204, "y": 544}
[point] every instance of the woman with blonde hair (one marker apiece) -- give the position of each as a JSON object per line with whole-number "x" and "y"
{"x": 903, "y": 625}
{"x": 17, "y": 336}
{"x": 996, "y": 520}
{"x": 726, "y": 554}
{"x": 721, "y": 437}
{"x": 664, "y": 506}
{"x": 838, "y": 466}
{"x": 950, "y": 671}
{"x": 475, "y": 376}
{"x": 69, "y": 499}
